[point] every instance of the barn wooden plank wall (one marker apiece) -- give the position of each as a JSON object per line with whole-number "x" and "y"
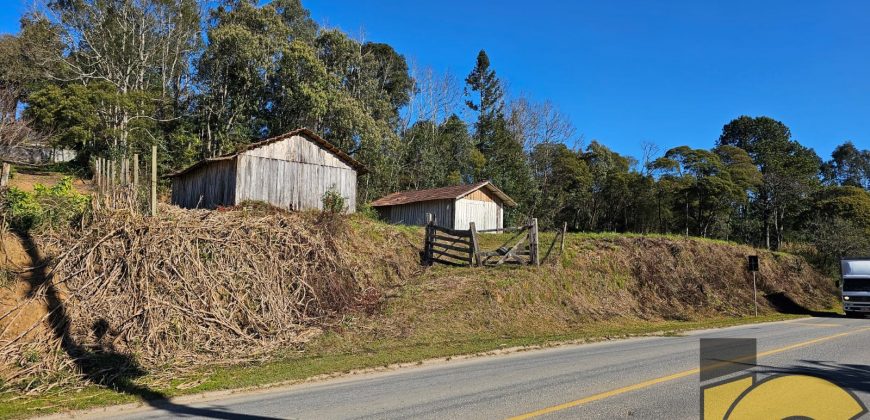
{"x": 481, "y": 195}
{"x": 207, "y": 187}
{"x": 414, "y": 214}
{"x": 293, "y": 174}
{"x": 298, "y": 149}
{"x": 293, "y": 185}
{"x": 486, "y": 214}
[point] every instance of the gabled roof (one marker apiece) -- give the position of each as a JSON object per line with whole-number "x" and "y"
{"x": 445, "y": 193}
{"x": 341, "y": 155}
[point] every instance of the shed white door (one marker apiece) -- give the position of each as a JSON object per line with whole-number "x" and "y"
{"x": 484, "y": 214}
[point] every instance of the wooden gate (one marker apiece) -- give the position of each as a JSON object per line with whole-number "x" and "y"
{"x": 462, "y": 247}
{"x": 448, "y": 246}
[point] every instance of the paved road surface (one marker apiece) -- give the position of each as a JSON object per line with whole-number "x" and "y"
{"x": 633, "y": 378}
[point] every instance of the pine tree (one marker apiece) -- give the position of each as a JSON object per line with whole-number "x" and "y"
{"x": 505, "y": 161}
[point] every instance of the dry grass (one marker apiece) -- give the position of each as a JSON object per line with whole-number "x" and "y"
{"x": 599, "y": 281}
{"x": 26, "y": 179}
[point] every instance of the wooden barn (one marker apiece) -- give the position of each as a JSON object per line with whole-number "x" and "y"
{"x": 452, "y": 207}
{"x": 290, "y": 171}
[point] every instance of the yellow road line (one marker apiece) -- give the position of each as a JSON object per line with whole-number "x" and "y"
{"x": 678, "y": 375}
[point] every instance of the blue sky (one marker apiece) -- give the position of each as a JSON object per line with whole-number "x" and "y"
{"x": 668, "y": 72}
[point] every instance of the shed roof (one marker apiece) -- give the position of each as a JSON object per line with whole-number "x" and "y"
{"x": 445, "y": 193}
{"x": 344, "y": 157}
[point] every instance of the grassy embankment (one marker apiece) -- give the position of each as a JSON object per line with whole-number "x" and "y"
{"x": 603, "y": 286}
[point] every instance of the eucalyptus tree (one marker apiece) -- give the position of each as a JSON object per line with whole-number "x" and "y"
{"x": 609, "y": 190}
{"x": 848, "y": 166}
{"x": 140, "y": 48}
{"x": 789, "y": 171}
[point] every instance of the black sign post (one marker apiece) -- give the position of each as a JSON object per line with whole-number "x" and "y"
{"x": 753, "y": 267}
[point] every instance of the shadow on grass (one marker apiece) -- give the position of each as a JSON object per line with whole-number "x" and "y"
{"x": 101, "y": 364}
{"x": 784, "y": 304}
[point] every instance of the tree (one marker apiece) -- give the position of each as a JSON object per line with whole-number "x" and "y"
{"x": 709, "y": 191}
{"x": 848, "y": 167}
{"x": 789, "y": 170}
{"x": 245, "y": 45}
{"x": 385, "y": 81}
{"x": 427, "y": 144}
{"x": 564, "y": 183}
{"x": 609, "y": 192}
{"x": 504, "y": 159}
{"x": 23, "y": 66}
{"x": 490, "y": 95}
{"x": 142, "y": 48}
{"x": 838, "y": 223}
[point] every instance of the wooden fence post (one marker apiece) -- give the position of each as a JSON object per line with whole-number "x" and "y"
{"x": 475, "y": 250}
{"x": 153, "y": 181}
{"x": 562, "y": 241}
{"x": 97, "y": 174}
{"x": 111, "y": 178}
{"x": 533, "y": 243}
{"x": 136, "y": 182}
{"x": 100, "y": 175}
{"x": 429, "y": 238}
{"x": 104, "y": 178}
{"x": 4, "y": 174}
{"x": 136, "y": 170}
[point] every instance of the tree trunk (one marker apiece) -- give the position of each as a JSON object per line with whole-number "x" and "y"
{"x": 4, "y": 176}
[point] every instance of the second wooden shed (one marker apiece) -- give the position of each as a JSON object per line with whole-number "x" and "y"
{"x": 452, "y": 207}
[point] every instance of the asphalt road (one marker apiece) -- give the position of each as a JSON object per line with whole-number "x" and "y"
{"x": 643, "y": 378}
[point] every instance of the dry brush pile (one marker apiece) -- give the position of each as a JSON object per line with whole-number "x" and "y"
{"x": 194, "y": 287}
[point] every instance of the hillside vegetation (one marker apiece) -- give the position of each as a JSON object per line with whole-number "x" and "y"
{"x": 601, "y": 279}
{"x": 129, "y": 297}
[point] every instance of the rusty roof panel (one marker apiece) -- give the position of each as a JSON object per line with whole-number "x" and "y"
{"x": 445, "y": 193}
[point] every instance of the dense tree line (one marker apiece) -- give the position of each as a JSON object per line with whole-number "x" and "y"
{"x": 110, "y": 77}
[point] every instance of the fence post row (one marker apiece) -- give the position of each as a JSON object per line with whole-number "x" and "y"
{"x": 116, "y": 181}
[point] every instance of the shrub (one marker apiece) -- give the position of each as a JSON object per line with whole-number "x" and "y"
{"x": 333, "y": 202}
{"x": 49, "y": 206}
{"x": 368, "y": 211}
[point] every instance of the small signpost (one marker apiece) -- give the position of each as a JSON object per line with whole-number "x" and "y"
{"x": 753, "y": 267}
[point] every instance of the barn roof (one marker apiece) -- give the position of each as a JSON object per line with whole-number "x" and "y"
{"x": 341, "y": 155}
{"x": 446, "y": 193}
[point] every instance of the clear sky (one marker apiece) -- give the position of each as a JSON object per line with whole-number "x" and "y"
{"x": 668, "y": 72}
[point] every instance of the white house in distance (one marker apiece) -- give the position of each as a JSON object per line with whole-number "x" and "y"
{"x": 452, "y": 207}
{"x": 291, "y": 171}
